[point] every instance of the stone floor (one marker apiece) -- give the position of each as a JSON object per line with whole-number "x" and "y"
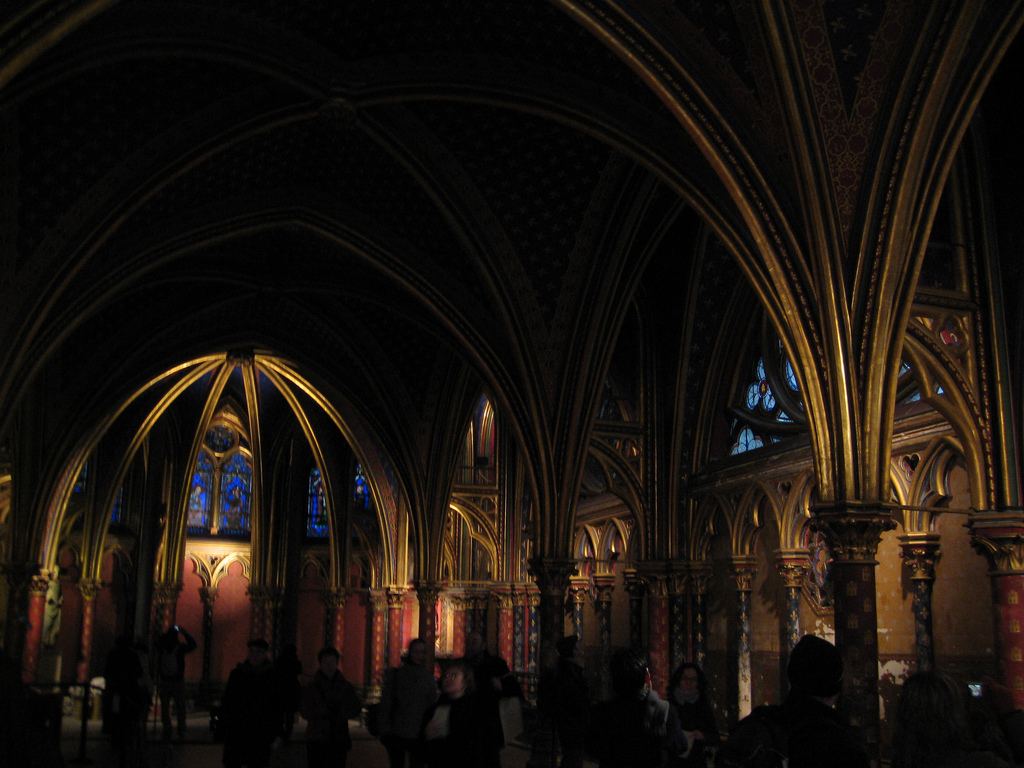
{"x": 199, "y": 750}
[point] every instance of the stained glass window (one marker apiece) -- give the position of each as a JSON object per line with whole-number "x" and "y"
{"x": 220, "y": 438}
{"x": 199, "y": 496}
{"x": 316, "y": 508}
{"x": 235, "y": 490}
{"x": 361, "y": 491}
{"x": 117, "y": 511}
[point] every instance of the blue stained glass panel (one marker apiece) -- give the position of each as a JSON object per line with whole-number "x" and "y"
{"x": 316, "y": 508}
{"x": 361, "y": 491}
{"x": 199, "y": 495}
{"x": 235, "y": 491}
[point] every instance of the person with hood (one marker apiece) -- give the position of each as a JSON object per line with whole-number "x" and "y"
{"x": 635, "y": 729}
{"x": 329, "y": 701}
{"x": 251, "y": 709}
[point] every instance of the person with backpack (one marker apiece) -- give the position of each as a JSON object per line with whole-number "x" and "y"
{"x": 635, "y": 729}
{"x": 806, "y": 730}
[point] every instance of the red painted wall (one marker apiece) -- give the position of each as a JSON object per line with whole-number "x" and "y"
{"x": 232, "y": 618}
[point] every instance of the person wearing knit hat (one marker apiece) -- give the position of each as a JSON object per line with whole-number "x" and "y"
{"x": 815, "y": 668}
{"x": 807, "y": 730}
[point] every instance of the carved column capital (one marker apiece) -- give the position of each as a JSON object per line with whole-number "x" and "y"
{"x": 427, "y": 592}
{"x": 379, "y": 600}
{"x": 699, "y": 575}
{"x": 999, "y": 535}
{"x": 166, "y": 593}
{"x": 263, "y": 595}
{"x": 604, "y": 586}
{"x": 792, "y": 565}
{"x": 90, "y": 588}
{"x": 552, "y": 575}
{"x": 853, "y": 529}
{"x": 743, "y": 569}
{"x": 504, "y": 597}
{"x": 920, "y": 552}
{"x": 635, "y": 584}
{"x": 396, "y": 597}
{"x": 579, "y": 588}
{"x": 38, "y": 584}
{"x": 334, "y": 598}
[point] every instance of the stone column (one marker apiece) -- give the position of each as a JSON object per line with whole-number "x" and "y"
{"x": 264, "y": 601}
{"x": 426, "y": 594}
{"x": 378, "y": 640}
{"x": 90, "y": 589}
{"x": 742, "y": 570}
{"x": 506, "y": 630}
{"x": 334, "y": 618}
{"x": 656, "y": 575}
{"x": 854, "y": 533}
{"x": 678, "y": 619}
{"x": 520, "y": 614}
{"x": 636, "y": 588}
{"x": 579, "y": 588}
{"x": 208, "y": 596}
{"x": 1000, "y": 537}
{"x": 552, "y": 578}
{"x": 396, "y": 605}
{"x": 165, "y": 605}
{"x": 604, "y": 586}
{"x": 920, "y": 552}
{"x": 792, "y": 566}
{"x": 458, "y": 605}
{"x": 34, "y": 632}
{"x": 533, "y": 639}
{"x": 700, "y": 574}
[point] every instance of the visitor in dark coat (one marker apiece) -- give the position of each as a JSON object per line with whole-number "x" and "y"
{"x": 688, "y": 695}
{"x": 635, "y": 729}
{"x": 328, "y": 703}
{"x": 494, "y": 681}
{"x": 572, "y": 701}
{"x": 933, "y": 729}
{"x": 288, "y": 669}
{"x": 251, "y": 709}
{"x": 409, "y": 691}
{"x": 458, "y": 732}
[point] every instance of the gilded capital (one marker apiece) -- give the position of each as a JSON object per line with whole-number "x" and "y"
{"x": 334, "y": 598}
{"x": 853, "y": 531}
{"x": 552, "y": 574}
{"x": 793, "y": 566}
{"x": 604, "y": 586}
{"x": 920, "y": 552}
{"x": 999, "y": 535}
{"x": 743, "y": 570}
{"x": 699, "y": 576}
{"x": 166, "y": 593}
{"x": 90, "y": 588}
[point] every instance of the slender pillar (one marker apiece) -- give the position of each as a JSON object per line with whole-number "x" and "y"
{"x": 700, "y": 574}
{"x": 604, "y": 586}
{"x": 656, "y": 575}
{"x": 396, "y": 605}
{"x": 378, "y": 640}
{"x": 920, "y": 552}
{"x": 533, "y": 640}
{"x": 34, "y": 632}
{"x": 334, "y": 618}
{"x": 636, "y": 588}
{"x": 678, "y": 619}
{"x": 208, "y": 596}
{"x": 90, "y": 589}
{"x": 426, "y": 594}
{"x": 19, "y": 576}
{"x": 579, "y": 588}
{"x": 458, "y": 605}
{"x": 506, "y": 629}
{"x": 552, "y": 577}
{"x": 854, "y": 533}
{"x": 1000, "y": 537}
{"x": 520, "y": 613}
{"x": 743, "y": 570}
{"x": 792, "y": 566}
